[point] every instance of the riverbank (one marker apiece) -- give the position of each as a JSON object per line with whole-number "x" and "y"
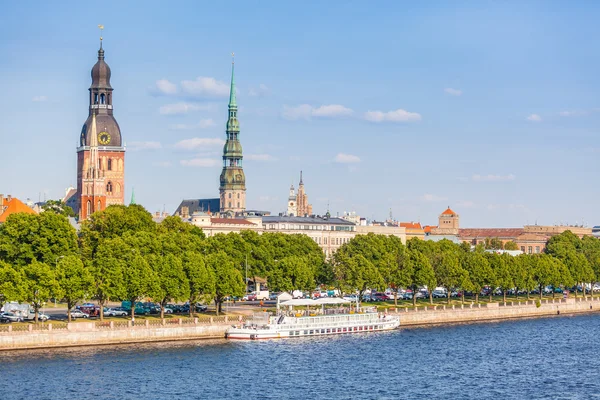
{"x": 176, "y": 329}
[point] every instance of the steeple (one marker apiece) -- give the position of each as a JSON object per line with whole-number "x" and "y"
{"x": 132, "y": 196}
{"x": 232, "y": 99}
{"x": 301, "y": 183}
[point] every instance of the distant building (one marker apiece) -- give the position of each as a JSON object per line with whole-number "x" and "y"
{"x": 578, "y": 230}
{"x": 298, "y": 205}
{"x": 398, "y": 231}
{"x": 11, "y": 205}
{"x": 448, "y": 223}
{"x": 413, "y": 230}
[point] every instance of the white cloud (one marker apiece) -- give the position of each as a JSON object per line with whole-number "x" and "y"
{"x": 493, "y": 178}
{"x": 139, "y": 146}
{"x": 306, "y": 111}
{"x": 398, "y": 115}
{"x": 163, "y": 86}
{"x": 574, "y": 113}
{"x": 39, "y": 98}
{"x": 343, "y": 158}
{"x": 184, "y": 108}
{"x": 534, "y": 118}
{"x": 259, "y": 157}
{"x": 200, "y": 162}
{"x": 261, "y": 90}
{"x": 453, "y": 92}
{"x": 205, "y": 87}
{"x": 433, "y": 198}
{"x": 162, "y": 164}
{"x": 203, "y": 124}
{"x": 198, "y": 143}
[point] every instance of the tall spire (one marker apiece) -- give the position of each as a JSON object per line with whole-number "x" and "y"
{"x": 301, "y": 183}
{"x": 101, "y": 50}
{"x": 232, "y": 99}
{"x": 132, "y": 196}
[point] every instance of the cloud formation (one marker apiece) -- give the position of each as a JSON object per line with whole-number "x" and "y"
{"x": 140, "y": 146}
{"x": 198, "y": 143}
{"x": 261, "y": 90}
{"x": 453, "y": 92}
{"x": 259, "y": 157}
{"x": 163, "y": 86}
{"x": 398, "y": 115}
{"x": 534, "y": 118}
{"x": 493, "y": 178}
{"x": 205, "y": 86}
{"x": 200, "y": 162}
{"x": 433, "y": 198}
{"x": 184, "y": 108}
{"x": 343, "y": 158}
{"x": 306, "y": 111}
{"x": 203, "y": 124}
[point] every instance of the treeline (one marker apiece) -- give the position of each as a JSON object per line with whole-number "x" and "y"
{"x": 375, "y": 261}
{"x": 122, "y": 254}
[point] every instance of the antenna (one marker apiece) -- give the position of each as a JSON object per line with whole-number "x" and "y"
{"x": 101, "y": 27}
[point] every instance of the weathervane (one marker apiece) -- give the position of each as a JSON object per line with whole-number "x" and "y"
{"x": 101, "y": 27}
{"x": 232, "y": 57}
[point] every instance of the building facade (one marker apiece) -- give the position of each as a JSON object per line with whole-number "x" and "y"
{"x": 11, "y": 205}
{"x": 101, "y": 154}
{"x": 298, "y": 205}
{"x": 448, "y": 223}
{"x": 232, "y": 190}
{"x": 292, "y": 206}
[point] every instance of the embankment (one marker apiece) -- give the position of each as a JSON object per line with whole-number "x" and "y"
{"x": 122, "y": 332}
{"x": 470, "y": 313}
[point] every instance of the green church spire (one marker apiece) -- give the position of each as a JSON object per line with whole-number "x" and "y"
{"x": 232, "y": 99}
{"x": 132, "y": 197}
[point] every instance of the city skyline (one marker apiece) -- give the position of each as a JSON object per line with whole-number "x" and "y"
{"x": 500, "y": 126}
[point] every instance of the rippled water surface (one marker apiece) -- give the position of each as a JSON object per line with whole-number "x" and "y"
{"x": 531, "y": 359}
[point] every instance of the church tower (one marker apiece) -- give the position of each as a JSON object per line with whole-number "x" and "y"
{"x": 101, "y": 154}
{"x": 232, "y": 191}
{"x": 292, "y": 206}
{"x": 303, "y": 208}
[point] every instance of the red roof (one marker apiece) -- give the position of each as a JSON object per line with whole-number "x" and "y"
{"x": 12, "y": 205}
{"x": 411, "y": 225}
{"x": 230, "y": 221}
{"x": 448, "y": 212}
{"x": 427, "y": 228}
{"x": 490, "y": 232}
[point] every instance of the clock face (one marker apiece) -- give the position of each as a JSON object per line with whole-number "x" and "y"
{"x": 104, "y": 138}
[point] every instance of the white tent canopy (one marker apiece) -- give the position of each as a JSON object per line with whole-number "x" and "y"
{"x": 332, "y": 300}
{"x": 299, "y": 302}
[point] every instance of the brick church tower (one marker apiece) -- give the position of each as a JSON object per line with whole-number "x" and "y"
{"x": 101, "y": 154}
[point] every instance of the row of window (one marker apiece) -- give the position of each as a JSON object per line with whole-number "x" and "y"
{"x": 87, "y": 189}
{"x": 312, "y": 227}
{"x": 110, "y": 164}
{"x": 101, "y": 99}
{"x": 530, "y": 249}
{"x": 336, "y": 330}
{"x": 334, "y": 241}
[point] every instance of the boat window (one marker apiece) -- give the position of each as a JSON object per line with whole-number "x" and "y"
{"x": 306, "y": 332}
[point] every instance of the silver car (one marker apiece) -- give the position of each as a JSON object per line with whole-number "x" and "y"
{"x": 78, "y": 314}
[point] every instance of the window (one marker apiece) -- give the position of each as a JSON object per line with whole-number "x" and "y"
{"x": 529, "y": 250}
{"x": 537, "y": 249}
{"x": 523, "y": 249}
{"x": 230, "y": 202}
{"x": 238, "y": 202}
{"x": 229, "y": 197}
{"x": 99, "y": 206}
{"x": 89, "y": 207}
{"x": 102, "y": 99}
{"x": 109, "y": 165}
{"x": 109, "y": 187}
{"x": 238, "y": 196}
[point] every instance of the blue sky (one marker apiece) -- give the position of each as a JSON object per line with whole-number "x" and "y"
{"x": 489, "y": 107}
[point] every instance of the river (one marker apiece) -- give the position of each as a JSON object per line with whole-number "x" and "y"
{"x": 527, "y": 359}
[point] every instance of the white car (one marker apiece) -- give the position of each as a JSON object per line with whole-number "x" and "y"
{"x": 78, "y": 314}
{"x": 43, "y": 317}
{"x": 111, "y": 312}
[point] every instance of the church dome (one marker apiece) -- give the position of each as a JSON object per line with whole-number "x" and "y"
{"x": 101, "y": 73}
{"x": 104, "y": 123}
{"x": 232, "y": 148}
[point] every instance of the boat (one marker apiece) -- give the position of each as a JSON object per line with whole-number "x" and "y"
{"x": 291, "y": 322}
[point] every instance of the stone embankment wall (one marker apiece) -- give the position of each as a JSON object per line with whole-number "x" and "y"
{"x": 495, "y": 311}
{"x": 113, "y": 332}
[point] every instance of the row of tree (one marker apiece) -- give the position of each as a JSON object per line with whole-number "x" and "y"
{"x": 122, "y": 254}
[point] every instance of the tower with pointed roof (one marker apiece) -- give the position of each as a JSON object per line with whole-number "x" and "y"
{"x": 101, "y": 140}
{"x": 292, "y": 206}
{"x": 303, "y": 208}
{"x": 232, "y": 189}
{"x": 448, "y": 223}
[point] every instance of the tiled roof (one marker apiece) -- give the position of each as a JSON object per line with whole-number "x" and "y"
{"x": 305, "y": 220}
{"x": 12, "y": 206}
{"x": 532, "y": 237}
{"x": 448, "y": 212}
{"x": 195, "y": 205}
{"x": 427, "y": 228}
{"x": 490, "y": 232}
{"x": 411, "y": 225}
{"x": 230, "y": 221}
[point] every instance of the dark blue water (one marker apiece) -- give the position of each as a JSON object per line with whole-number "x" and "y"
{"x": 531, "y": 359}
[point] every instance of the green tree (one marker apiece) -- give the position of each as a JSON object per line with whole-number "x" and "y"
{"x": 74, "y": 280}
{"x": 446, "y": 266}
{"x": 355, "y": 274}
{"x": 228, "y": 280}
{"x": 39, "y": 284}
{"x": 138, "y": 281}
{"x": 11, "y": 284}
{"x": 504, "y": 271}
{"x": 58, "y": 207}
{"x": 579, "y": 268}
{"x": 107, "y": 268}
{"x": 510, "y": 245}
{"x": 171, "y": 281}
{"x": 480, "y": 272}
{"x": 493, "y": 244}
{"x": 200, "y": 279}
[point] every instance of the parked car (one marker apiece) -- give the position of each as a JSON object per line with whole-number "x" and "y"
{"x": 113, "y": 312}
{"x": 273, "y": 296}
{"x": 379, "y": 297}
{"x": 10, "y": 317}
{"x": 201, "y": 307}
{"x": 78, "y": 314}
{"x": 407, "y": 296}
{"x": 439, "y": 294}
{"x": 351, "y": 297}
{"x": 43, "y": 317}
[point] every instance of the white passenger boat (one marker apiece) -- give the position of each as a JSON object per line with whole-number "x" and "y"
{"x": 290, "y": 322}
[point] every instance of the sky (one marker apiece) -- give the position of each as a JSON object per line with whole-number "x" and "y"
{"x": 491, "y": 108}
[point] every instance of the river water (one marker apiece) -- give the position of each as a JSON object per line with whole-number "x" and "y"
{"x": 528, "y": 359}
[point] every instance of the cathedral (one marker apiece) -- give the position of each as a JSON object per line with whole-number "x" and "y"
{"x": 101, "y": 154}
{"x": 298, "y": 202}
